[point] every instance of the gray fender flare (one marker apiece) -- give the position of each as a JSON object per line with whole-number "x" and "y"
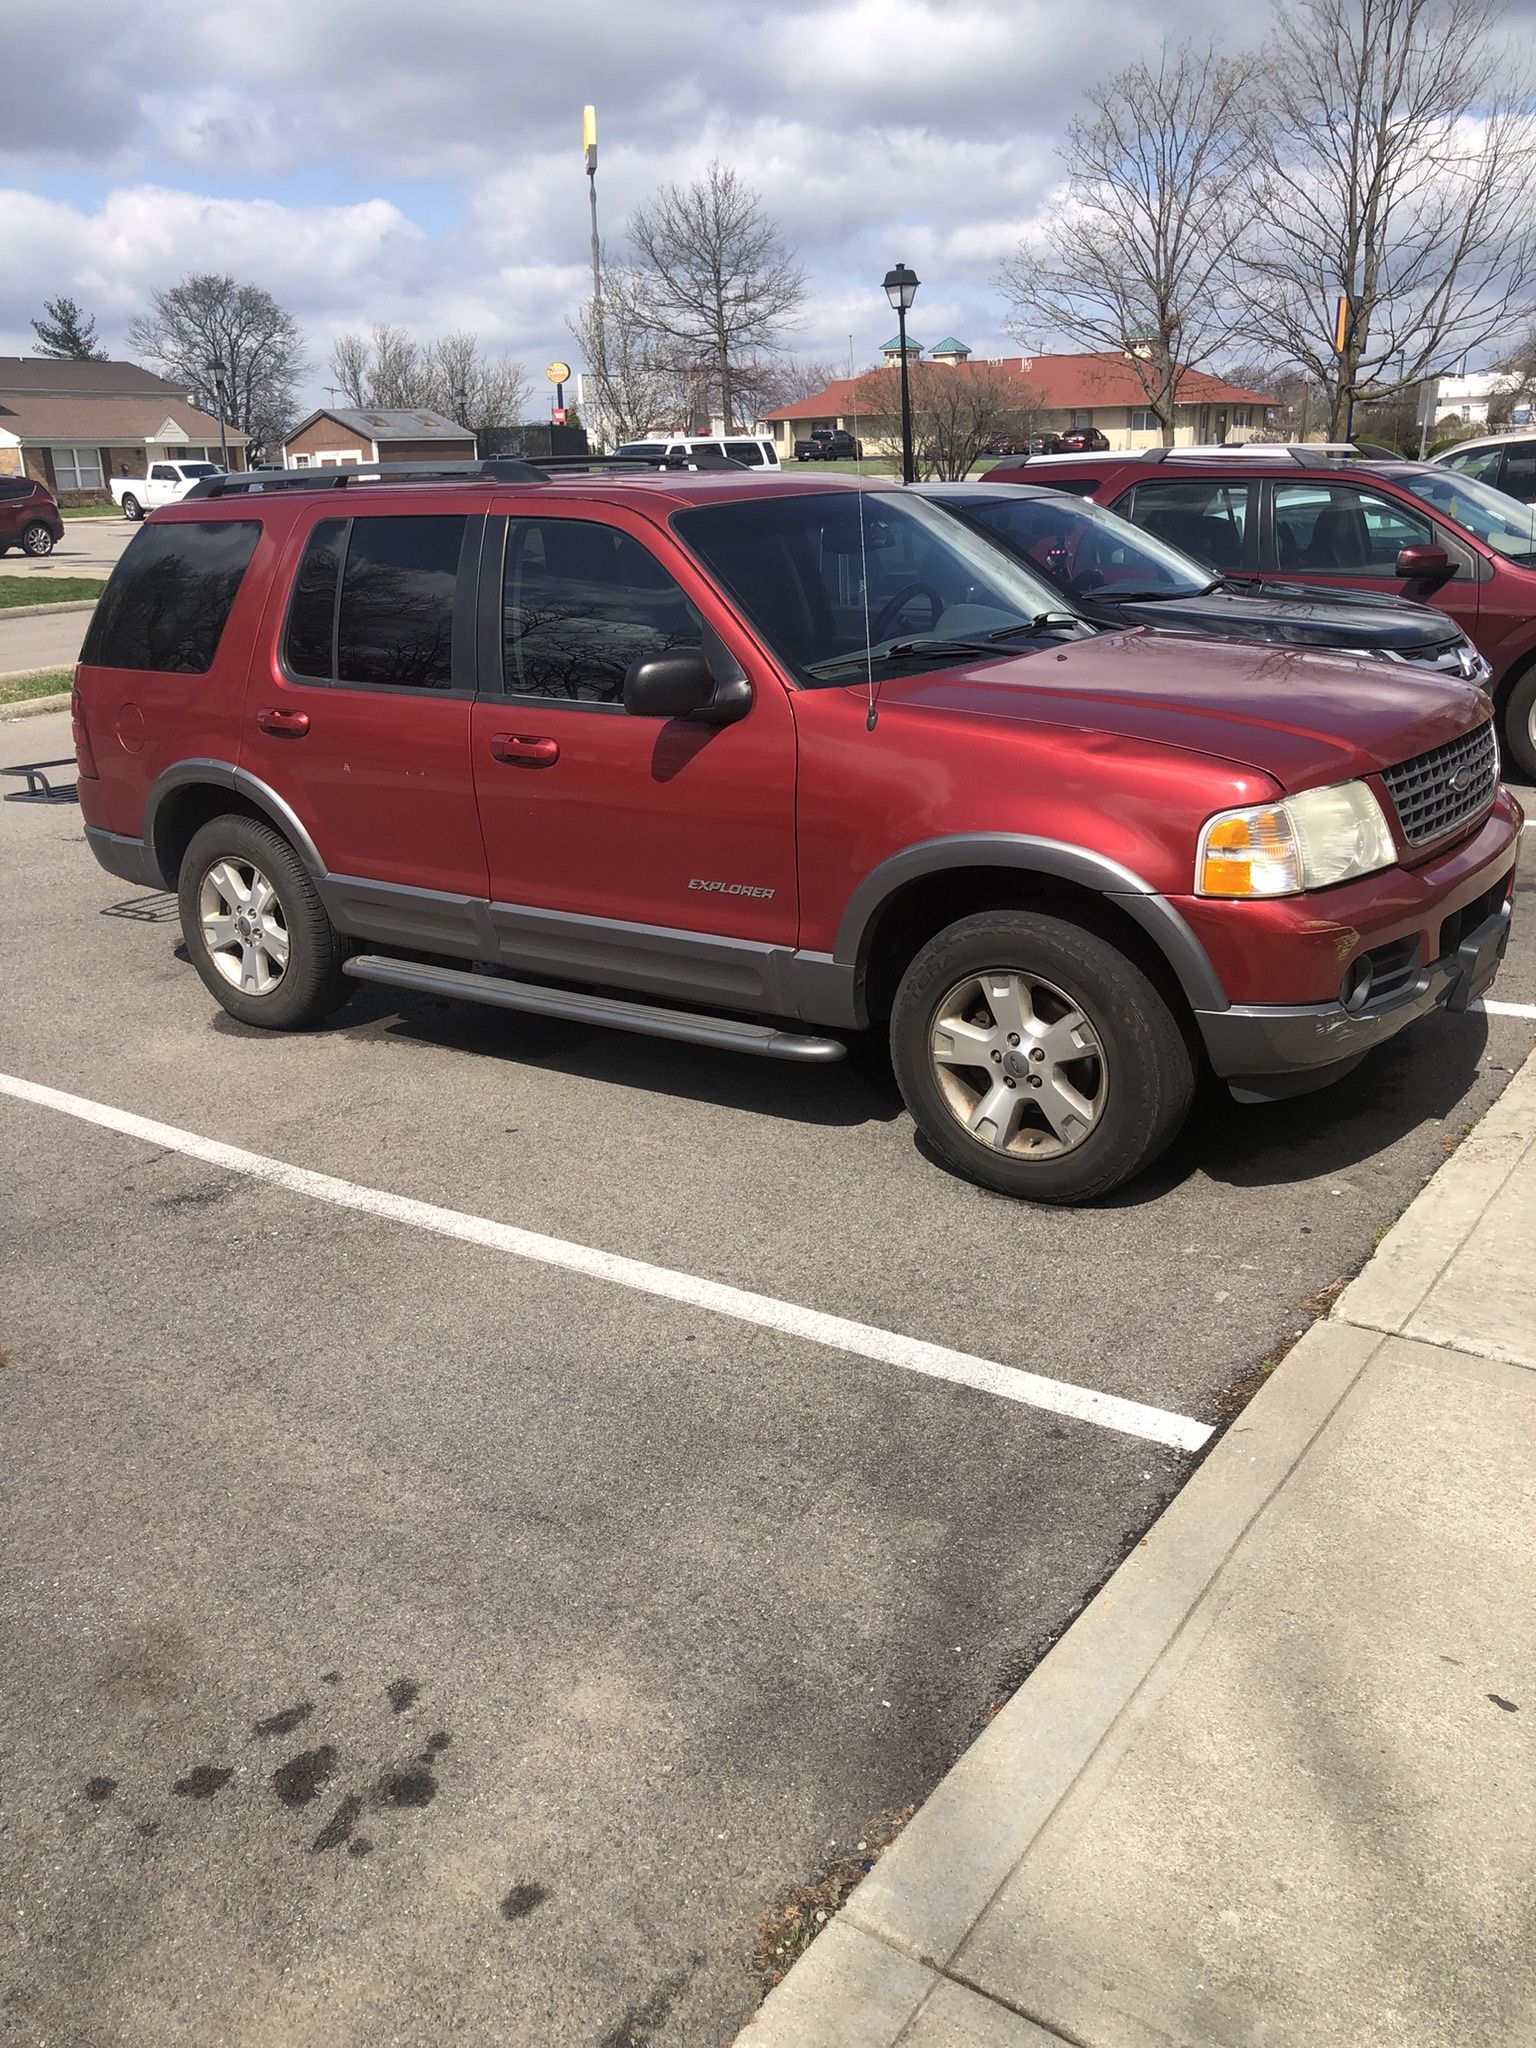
{"x": 226, "y": 775}
{"x": 1156, "y": 916}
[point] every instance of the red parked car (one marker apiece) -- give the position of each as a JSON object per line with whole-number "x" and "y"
{"x": 757, "y": 762}
{"x": 1283, "y": 516}
{"x": 29, "y": 516}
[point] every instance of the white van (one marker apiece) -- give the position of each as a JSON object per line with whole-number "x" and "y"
{"x": 753, "y": 451}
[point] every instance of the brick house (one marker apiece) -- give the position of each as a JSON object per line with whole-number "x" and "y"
{"x": 74, "y": 425}
{"x": 1056, "y": 392}
{"x": 376, "y": 434}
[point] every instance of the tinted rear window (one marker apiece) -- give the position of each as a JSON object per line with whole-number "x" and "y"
{"x": 165, "y": 605}
{"x": 15, "y": 487}
{"x": 397, "y": 580}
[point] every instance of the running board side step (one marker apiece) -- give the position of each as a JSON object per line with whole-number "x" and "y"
{"x": 692, "y": 1027}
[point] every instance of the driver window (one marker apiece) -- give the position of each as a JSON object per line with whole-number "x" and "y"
{"x": 580, "y": 602}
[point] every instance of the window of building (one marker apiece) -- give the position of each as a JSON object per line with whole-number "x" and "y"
{"x": 1082, "y": 419}
{"x": 1339, "y": 527}
{"x": 166, "y": 603}
{"x": 1143, "y": 420}
{"x": 373, "y": 602}
{"x": 78, "y": 469}
{"x": 580, "y": 602}
{"x": 1243, "y": 416}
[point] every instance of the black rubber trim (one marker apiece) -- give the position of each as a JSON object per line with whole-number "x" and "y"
{"x": 129, "y": 859}
{"x": 225, "y": 775}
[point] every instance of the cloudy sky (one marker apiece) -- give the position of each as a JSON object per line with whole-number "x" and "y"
{"x": 373, "y": 159}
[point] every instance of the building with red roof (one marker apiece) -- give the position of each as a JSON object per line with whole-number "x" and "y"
{"x": 1055, "y": 392}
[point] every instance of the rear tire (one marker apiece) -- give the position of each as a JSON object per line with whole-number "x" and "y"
{"x": 36, "y": 539}
{"x": 132, "y": 509}
{"x": 1036, "y": 1058}
{"x": 255, "y": 928}
{"x": 1520, "y": 724}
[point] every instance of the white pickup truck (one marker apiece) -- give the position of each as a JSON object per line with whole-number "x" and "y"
{"x": 166, "y": 482}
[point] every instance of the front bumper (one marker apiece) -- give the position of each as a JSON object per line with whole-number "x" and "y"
{"x": 1268, "y": 1051}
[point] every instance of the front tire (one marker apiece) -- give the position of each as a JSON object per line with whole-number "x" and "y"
{"x": 1520, "y": 724}
{"x": 36, "y": 539}
{"x": 132, "y": 509}
{"x": 255, "y": 928}
{"x": 1036, "y": 1058}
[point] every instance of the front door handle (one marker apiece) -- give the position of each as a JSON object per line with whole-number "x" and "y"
{"x": 524, "y": 750}
{"x": 284, "y": 725}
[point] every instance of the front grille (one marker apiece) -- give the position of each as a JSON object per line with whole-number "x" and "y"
{"x": 1427, "y": 805}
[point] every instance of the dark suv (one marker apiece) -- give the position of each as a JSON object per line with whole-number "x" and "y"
{"x": 29, "y": 516}
{"x": 1409, "y": 529}
{"x": 1119, "y": 575}
{"x": 755, "y": 762}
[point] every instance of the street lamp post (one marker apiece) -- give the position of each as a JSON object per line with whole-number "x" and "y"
{"x": 221, "y": 402}
{"x": 901, "y": 289}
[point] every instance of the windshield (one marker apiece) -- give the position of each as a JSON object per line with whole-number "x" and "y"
{"x": 838, "y": 580}
{"x": 1499, "y": 522}
{"x": 1083, "y": 549}
{"x": 641, "y": 448}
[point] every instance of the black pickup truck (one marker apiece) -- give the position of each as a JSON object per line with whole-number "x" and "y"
{"x": 828, "y": 444}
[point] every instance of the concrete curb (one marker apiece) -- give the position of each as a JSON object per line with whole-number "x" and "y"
{"x": 48, "y": 611}
{"x": 32, "y": 707}
{"x": 881, "y": 1978}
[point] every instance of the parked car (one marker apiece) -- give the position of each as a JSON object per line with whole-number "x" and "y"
{"x": 1505, "y": 461}
{"x": 758, "y": 762}
{"x": 1119, "y": 575}
{"x": 29, "y": 516}
{"x": 1408, "y": 529}
{"x": 1045, "y": 444}
{"x": 829, "y": 444}
{"x": 752, "y": 451}
{"x": 1083, "y": 440}
{"x": 165, "y": 484}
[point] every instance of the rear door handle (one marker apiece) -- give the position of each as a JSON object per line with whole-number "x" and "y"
{"x": 524, "y": 750}
{"x": 284, "y": 725}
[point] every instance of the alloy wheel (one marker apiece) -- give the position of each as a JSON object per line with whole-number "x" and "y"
{"x": 243, "y": 926}
{"x": 1019, "y": 1064}
{"x": 37, "y": 540}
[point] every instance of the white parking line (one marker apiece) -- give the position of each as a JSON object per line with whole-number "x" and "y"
{"x": 863, "y": 1340}
{"x": 1493, "y": 1009}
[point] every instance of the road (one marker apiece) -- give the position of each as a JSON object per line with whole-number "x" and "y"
{"x": 41, "y": 641}
{"x": 420, "y": 1630}
{"x": 90, "y": 547}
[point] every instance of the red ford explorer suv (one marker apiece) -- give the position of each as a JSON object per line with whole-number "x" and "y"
{"x": 1284, "y": 515}
{"x": 759, "y": 762}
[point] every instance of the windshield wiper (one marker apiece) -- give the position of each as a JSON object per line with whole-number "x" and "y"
{"x": 925, "y": 650}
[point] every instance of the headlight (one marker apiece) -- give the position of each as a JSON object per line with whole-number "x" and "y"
{"x": 1305, "y": 842}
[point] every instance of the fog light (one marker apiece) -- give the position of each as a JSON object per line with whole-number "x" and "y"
{"x": 1355, "y": 989}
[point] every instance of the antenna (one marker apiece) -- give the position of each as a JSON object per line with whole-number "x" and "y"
{"x": 869, "y": 658}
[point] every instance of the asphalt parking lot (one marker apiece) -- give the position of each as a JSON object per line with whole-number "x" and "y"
{"x": 417, "y": 1633}
{"x": 90, "y": 547}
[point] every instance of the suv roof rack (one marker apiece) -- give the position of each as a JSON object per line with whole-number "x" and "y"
{"x": 1281, "y": 451}
{"x": 494, "y": 469}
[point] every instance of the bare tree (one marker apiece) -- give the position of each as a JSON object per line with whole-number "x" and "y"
{"x": 65, "y": 333}
{"x": 1138, "y": 261}
{"x": 634, "y": 371}
{"x": 390, "y": 368}
{"x": 957, "y": 412}
{"x": 237, "y": 351}
{"x": 1397, "y": 156}
{"x": 722, "y": 283}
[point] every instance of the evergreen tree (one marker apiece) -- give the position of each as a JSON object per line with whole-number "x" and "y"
{"x": 65, "y": 334}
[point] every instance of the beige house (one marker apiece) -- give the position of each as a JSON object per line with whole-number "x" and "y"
{"x": 74, "y": 425}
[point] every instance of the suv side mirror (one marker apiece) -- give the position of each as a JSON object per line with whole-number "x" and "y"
{"x": 1423, "y": 562}
{"x": 680, "y": 683}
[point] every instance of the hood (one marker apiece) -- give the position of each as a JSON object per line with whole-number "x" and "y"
{"x": 1299, "y": 716}
{"x": 1290, "y": 615}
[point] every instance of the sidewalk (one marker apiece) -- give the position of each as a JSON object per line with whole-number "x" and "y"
{"x": 1277, "y": 1786}
{"x": 48, "y": 639}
